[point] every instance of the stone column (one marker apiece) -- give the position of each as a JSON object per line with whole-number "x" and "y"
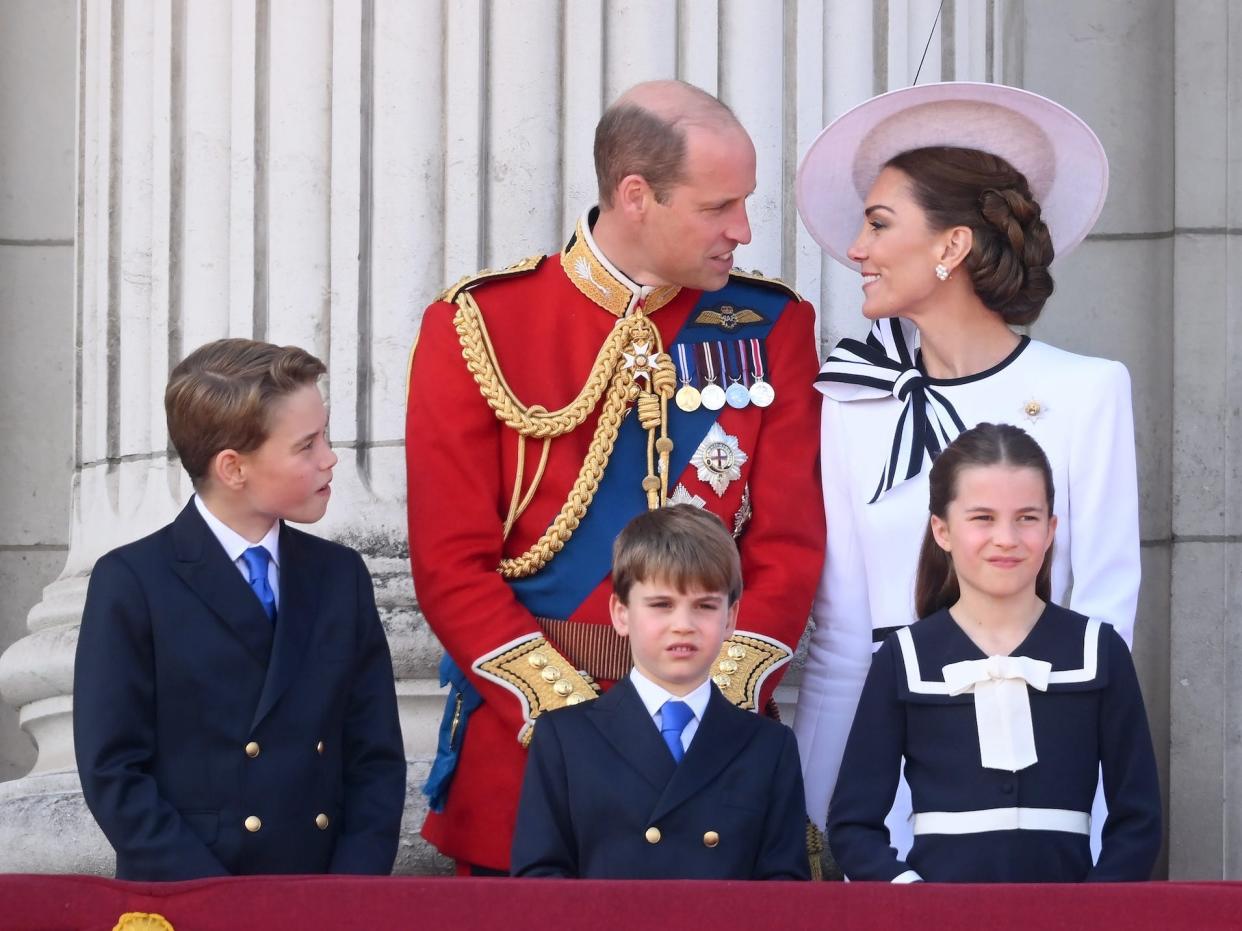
{"x": 37, "y": 59}
{"x": 313, "y": 171}
{"x": 1112, "y": 65}
{"x": 1206, "y": 444}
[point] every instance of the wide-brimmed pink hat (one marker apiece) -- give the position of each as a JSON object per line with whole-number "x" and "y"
{"x": 1061, "y": 157}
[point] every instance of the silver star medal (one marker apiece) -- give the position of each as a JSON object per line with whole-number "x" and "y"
{"x": 718, "y": 459}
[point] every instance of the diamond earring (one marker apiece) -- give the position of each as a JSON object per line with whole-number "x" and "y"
{"x": 941, "y": 272}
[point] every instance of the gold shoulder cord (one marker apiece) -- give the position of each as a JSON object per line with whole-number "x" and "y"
{"x": 644, "y": 374}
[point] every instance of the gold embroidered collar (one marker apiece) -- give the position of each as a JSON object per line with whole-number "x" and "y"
{"x": 604, "y": 283}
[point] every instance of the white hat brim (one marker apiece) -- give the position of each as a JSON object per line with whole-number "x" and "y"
{"x": 1061, "y": 157}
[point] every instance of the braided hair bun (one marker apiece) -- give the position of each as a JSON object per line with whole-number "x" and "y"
{"x": 1008, "y": 263}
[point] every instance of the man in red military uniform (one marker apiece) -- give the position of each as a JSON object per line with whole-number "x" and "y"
{"x": 553, "y": 400}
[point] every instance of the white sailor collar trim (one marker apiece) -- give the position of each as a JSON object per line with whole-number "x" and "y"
{"x": 1082, "y": 675}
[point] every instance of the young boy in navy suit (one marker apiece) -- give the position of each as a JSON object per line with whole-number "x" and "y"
{"x": 663, "y": 777}
{"x": 234, "y": 709}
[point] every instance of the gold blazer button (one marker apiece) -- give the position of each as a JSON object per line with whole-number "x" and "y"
{"x": 321, "y": 821}
{"x": 252, "y": 749}
{"x": 653, "y": 835}
{"x": 253, "y": 824}
{"x": 711, "y": 839}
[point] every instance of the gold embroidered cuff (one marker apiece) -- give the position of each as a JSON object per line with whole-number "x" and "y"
{"x": 745, "y": 660}
{"x": 541, "y": 677}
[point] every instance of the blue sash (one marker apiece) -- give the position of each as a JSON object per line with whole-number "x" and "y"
{"x": 563, "y": 584}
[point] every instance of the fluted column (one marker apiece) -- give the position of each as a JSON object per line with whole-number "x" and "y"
{"x": 313, "y": 172}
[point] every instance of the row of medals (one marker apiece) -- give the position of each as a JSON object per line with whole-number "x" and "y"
{"x": 713, "y": 397}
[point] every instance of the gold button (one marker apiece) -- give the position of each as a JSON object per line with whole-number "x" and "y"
{"x": 321, "y": 821}
{"x": 550, "y": 673}
{"x": 722, "y": 681}
{"x": 563, "y": 688}
{"x": 319, "y": 748}
{"x": 736, "y": 651}
{"x": 711, "y": 839}
{"x": 728, "y": 667}
{"x": 575, "y": 699}
{"x": 653, "y": 835}
{"x": 1033, "y": 408}
{"x": 538, "y": 660}
{"x": 252, "y": 749}
{"x": 253, "y": 824}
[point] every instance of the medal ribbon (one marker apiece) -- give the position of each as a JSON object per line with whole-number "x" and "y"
{"x": 683, "y": 364}
{"x": 756, "y": 349}
{"x": 709, "y": 367}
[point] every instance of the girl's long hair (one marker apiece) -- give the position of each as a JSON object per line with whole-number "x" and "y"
{"x": 987, "y": 444}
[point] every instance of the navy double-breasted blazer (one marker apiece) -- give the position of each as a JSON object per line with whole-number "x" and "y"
{"x": 602, "y": 797}
{"x": 209, "y": 741}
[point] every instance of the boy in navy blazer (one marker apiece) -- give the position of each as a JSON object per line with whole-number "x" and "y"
{"x": 663, "y": 777}
{"x": 234, "y": 708}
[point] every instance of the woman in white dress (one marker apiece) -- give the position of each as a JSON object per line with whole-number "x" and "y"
{"x": 950, "y": 200}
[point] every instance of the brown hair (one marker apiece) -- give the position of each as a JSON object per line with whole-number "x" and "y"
{"x": 987, "y": 444}
{"x": 221, "y": 396}
{"x": 634, "y": 139}
{"x": 683, "y": 545}
{"x": 1008, "y": 262}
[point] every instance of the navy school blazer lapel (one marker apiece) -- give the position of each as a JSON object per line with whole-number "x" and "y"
{"x": 204, "y": 566}
{"x": 622, "y": 718}
{"x": 722, "y": 735}
{"x": 295, "y": 618}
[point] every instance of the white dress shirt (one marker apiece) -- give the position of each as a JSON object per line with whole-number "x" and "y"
{"x": 654, "y": 697}
{"x": 235, "y": 544}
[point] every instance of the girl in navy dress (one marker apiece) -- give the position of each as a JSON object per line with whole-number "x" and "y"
{"x": 1005, "y": 706}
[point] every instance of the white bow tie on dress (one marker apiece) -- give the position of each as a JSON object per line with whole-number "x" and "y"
{"x": 1002, "y": 705}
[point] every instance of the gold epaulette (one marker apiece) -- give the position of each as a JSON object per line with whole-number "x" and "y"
{"x": 528, "y": 264}
{"x": 744, "y": 662}
{"x": 540, "y": 676}
{"x": 765, "y": 280}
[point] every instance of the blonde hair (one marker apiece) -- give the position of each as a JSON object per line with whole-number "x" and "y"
{"x": 683, "y": 545}
{"x": 221, "y": 397}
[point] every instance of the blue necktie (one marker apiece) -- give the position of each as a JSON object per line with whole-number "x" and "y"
{"x": 256, "y": 565}
{"x": 674, "y": 716}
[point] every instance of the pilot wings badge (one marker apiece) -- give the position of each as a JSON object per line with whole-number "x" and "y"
{"x": 728, "y": 317}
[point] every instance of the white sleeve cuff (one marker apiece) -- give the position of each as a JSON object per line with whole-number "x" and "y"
{"x": 909, "y": 876}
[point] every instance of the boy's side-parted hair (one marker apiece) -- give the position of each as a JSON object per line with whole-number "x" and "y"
{"x": 221, "y": 396}
{"x": 683, "y": 545}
